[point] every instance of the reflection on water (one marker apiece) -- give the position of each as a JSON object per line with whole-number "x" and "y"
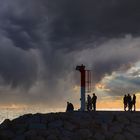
{"x": 11, "y": 113}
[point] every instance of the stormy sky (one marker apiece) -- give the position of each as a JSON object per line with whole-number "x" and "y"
{"x": 41, "y": 42}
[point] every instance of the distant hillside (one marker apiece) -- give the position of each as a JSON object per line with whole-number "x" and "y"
{"x": 73, "y": 126}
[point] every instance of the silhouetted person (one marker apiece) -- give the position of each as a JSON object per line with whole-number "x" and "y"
{"x": 125, "y": 102}
{"x": 134, "y": 102}
{"x": 94, "y": 99}
{"x": 89, "y": 103}
{"x": 70, "y": 107}
{"x": 129, "y": 102}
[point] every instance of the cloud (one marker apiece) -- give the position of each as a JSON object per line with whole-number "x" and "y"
{"x": 17, "y": 67}
{"x": 42, "y": 42}
{"x": 118, "y": 54}
{"x": 123, "y": 85}
{"x": 91, "y": 20}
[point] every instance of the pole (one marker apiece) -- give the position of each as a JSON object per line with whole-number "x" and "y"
{"x": 83, "y": 90}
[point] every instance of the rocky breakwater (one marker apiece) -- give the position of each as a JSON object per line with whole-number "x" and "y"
{"x": 73, "y": 126}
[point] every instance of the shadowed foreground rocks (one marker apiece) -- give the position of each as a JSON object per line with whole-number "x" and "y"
{"x": 73, "y": 126}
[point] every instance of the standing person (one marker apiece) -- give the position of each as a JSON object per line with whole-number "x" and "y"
{"x": 125, "y": 102}
{"x": 89, "y": 103}
{"x": 134, "y": 102}
{"x": 94, "y": 99}
{"x": 129, "y": 102}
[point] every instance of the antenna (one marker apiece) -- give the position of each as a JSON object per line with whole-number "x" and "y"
{"x": 88, "y": 81}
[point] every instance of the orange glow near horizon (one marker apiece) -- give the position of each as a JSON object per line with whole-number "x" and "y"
{"x": 108, "y": 102}
{"x": 116, "y": 104}
{"x": 104, "y": 103}
{"x": 13, "y": 106}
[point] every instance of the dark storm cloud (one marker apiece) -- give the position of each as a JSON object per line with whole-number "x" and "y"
{"x": 44, "y": 40}
{"x": 86, "y": 24}
{"x": 114, "y": 55}
{"x": 17, "y": 67}
{"x": 91, "y": 20}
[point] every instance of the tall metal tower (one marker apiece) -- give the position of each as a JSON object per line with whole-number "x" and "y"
{"x": 85, "y": 84}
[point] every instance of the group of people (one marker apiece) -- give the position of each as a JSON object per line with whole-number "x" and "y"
{"x": 91, "y": 102}
{"x": 129, "y": 102}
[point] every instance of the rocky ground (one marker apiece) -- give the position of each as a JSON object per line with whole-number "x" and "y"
{"x": 73, "y": 126}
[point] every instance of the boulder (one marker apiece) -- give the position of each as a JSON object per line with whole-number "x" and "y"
{"x": 117, "y": 128}
{"x": 55, "y": 124}
{"x": 44, "y": 120}
{"x": 81, "y": 115}
{"x": 66, "y": 133}
{"x": 35, "y": 138}
{"x": 43, "y": 133}
{"x": 69, "y": 126}
{"x": 5, "y": 124}
{"x": 52, "y": 137}
{"x": 38, "y": 138}
{"x": 23, "y": 119}
{"x": 119, "y": 137}
{"x": 104, "y": 127}
{"x": 19, "y": 128}
{"x": 36, "y": 118}
{"x": 39, "y": 126}
{"x": 136, "y": 120}
{"x": 83, "y": 133}
{"x": 124, "y": 120}
{"x": 56, "y": 132}
{"x": 86, "y": 124}
{"x": 21, "y": 137}
{"x": 99, "y": 136}
{"x": 109, "y": 135}
{"x": 30, "y": 134}
{"x": 129, "y": 136}
{"x": 65, "y": 138}
{"x": 133, "y": 129}
{"x": 6, "y": 135}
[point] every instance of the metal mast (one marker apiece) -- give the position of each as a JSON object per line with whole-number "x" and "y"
{"x": 85, "y": 84}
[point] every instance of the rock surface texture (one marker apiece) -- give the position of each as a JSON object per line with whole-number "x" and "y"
{"x": 73, "y": 126}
